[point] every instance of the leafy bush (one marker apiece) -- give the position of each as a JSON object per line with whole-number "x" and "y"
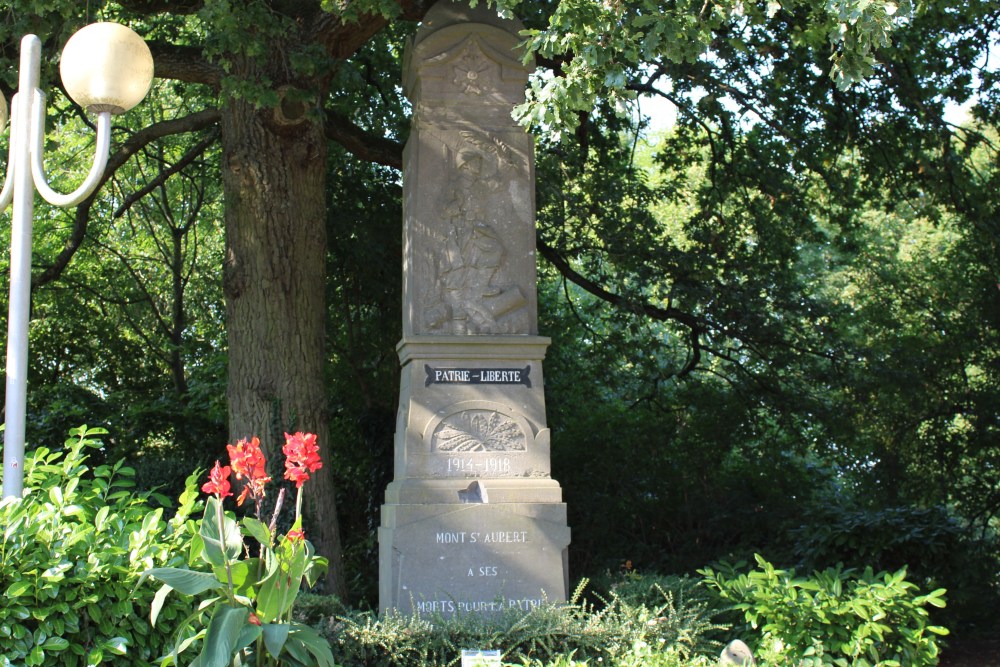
{"x": 74, "y": 547}
{"x": 618, "y": 633}
{"x": 835, "y": 617}
{"x": 702, "y": 606}
{"x": 635, "y": 588}
{"x": 885, "y": 538}
{"x": 936, "y": 547}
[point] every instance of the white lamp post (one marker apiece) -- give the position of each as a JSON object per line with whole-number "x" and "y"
{"x": 106, "y": 68}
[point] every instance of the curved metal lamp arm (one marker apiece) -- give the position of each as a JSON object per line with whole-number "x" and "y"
{"x": 7, "y": 195}
{"x": 38, "y": 170}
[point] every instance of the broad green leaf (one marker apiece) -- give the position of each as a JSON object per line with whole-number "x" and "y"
{"x": 188, "y": 582}
{"x": 223, "y": 542}
{"x": 257, "y": 530}
{"x": 243, "y": 572}
{"x": 19, "y": 588}
{"x": 221, "y": 638}
{"x": 936, "y": 598}
{"x": 275, "y": 635}
{"x": 314, "y": 643}
{"x": 315, "y": 569}
{"x": 55, "y": 644}
{"x": 248, "y": 635}
{"x": 157, "y": 604}
{"x": 117, "y": 645}
{"x": 277, "y": 594}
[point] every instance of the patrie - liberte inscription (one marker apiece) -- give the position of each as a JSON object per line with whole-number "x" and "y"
{"x": 478, "y": 375}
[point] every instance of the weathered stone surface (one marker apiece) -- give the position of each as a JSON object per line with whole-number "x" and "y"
{"x": 473, "y": 521}
{"x": 468, "y": 179}
{"x": 472, "y": 461}
{"x": 475, "y": 408}
{"x": 473, "y": 557}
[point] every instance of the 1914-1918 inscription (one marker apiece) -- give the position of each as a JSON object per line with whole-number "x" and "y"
{"x": 478, "y": 375}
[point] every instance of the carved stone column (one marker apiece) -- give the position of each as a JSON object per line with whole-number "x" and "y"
{"x": 473, "y": 521}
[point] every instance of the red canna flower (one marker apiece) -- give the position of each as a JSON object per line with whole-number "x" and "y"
{"x": 248, "y": 462}
{"x": 301, "y": 457}
{"x": 254, "y": 619}
{"x": 218, "y": 481}
{"x": 295, "y": 535}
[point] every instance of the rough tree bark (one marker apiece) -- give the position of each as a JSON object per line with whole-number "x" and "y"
{"x": 274, "y": 178}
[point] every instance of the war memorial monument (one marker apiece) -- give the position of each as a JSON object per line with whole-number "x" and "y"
{"x": 473, "y": 521}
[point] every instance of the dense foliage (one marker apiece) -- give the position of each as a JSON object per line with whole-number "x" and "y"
{"x": 74, "y": 549}
{"x": 834, "y": 617}
{"x": 620, "y": 630}
{"x": 775, "y": 322}
{"x": 80, "y": 544}
{"x": 245, "y": 601}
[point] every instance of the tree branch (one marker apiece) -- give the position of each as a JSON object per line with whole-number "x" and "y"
{"x": 194, "y": 122}
{"x": 361, "y": 144}
{"x": 148, "y": 7}
{"x": 647, "y": 309}
{"x": 341, "y": 39}
{"x": 184, "y": 63}
{"x": 190, "y": 156}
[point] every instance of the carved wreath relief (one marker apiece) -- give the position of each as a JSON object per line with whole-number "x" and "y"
{"x": 474, "y": 73}
{"x": 479, "y": 431}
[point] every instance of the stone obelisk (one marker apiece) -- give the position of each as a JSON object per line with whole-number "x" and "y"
{"x": 473, "y": 521}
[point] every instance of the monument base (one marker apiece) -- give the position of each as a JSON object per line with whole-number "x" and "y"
{"x": 474, "y": 557}
{"x": 473, "y": 521}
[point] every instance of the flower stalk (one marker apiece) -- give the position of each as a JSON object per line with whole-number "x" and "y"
{"x": 259, "y": 593}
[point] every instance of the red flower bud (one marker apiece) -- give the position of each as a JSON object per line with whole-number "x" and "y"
{"x": 301, "y": 457}
{"x": 218, "y": 482}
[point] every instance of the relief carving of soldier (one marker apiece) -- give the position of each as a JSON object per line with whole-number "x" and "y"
{"x": 475, "y": 296}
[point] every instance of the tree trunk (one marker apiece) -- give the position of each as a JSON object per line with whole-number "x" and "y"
{"x": 274, "y": 281}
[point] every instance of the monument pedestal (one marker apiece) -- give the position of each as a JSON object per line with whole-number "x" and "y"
{"x": 473, "y": 521}
{"x": 460, "y": 558}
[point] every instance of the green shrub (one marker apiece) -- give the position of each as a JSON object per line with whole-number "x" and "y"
{"x": 937, "y": 548}
{"x": 618, "y": 633}
{"x": 682, "y": 595}
{"x": 74, "y": 547}
{"x": 635, "y": 588}
{"x": 835, "y": 617}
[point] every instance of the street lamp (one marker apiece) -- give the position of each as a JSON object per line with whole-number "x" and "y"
{"x": 106, "y": 68}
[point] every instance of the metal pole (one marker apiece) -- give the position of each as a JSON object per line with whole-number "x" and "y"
{"x": 20, "y": 269}
{"x": 125, "y": 59}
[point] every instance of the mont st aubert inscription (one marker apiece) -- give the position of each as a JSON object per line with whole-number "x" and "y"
{"x": 473, "y": 521}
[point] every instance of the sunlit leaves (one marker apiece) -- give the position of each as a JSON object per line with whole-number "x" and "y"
{"x": 603, "y": 47}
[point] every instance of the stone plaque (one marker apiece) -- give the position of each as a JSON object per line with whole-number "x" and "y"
{"x": 477, "y": 375}
{"x": 481, "y": 658}
{"x": 479, "y": 557}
